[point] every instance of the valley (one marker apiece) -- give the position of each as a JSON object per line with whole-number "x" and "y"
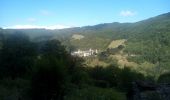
{"x": 107, "y": 61}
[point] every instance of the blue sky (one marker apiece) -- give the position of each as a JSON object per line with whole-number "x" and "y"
{"x": 66, "y": 13}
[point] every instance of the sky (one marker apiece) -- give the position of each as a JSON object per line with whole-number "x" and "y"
{"x": 58, "y": 14}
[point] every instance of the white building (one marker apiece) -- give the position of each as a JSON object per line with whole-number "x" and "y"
{"x": 85, "y": 53}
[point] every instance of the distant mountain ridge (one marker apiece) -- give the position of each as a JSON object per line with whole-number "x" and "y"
{"x": 108, "y": 31}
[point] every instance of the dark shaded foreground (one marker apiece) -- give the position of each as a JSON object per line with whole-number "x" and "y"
{"x": 142, "y": 90}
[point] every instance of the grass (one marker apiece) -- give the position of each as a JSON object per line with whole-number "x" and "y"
{"x": 77, "y": 36}
{"x": 94, "y": 61}
{"x": 90, "y": 42}
{"x": 122, "y": 61}
{"x": 116, "y": 43}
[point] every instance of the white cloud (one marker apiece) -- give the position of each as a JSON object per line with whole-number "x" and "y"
{"x": 37, "y": 27}
{"x": 45, "y": 12}
{"x": 57, "y": 27}
{"x": 31, "y": 19}
{"x": 127, "y": 13}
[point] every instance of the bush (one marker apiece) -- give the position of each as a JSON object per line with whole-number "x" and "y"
{"x": 164, "y": 78}
{"x": 49, "y": 81}
{"x": 95, "y": 93}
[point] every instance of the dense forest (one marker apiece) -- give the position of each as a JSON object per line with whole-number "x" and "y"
{"x": 36, "y": 64}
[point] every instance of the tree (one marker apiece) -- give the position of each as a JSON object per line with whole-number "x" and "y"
{"x": 126, "y": 76}
{"x": 49, "y": 81}
{"x": 17, "y": 55}
{"x": 164, "y": 78}
{"x": 51, "y": 72}
{"x": 105, "y": 77}
{"x": 53, "y": 48}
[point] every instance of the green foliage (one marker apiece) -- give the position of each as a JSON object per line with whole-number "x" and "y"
{"x": 49, "y": 81}
{"x": 164, "y": 78}
{"x": 153, "y": 48}
{"x": 17, "y": 55}
{"x": 80, "y": 77}
{"x": 112, "y": 76}
{"x": 53, "y": 48}
{"x": 14, "y": 89}
{"x": 94, "y": 93}
{"x": 104, "y": 77}
{"x": 153, "y": 95}
{"x": 137, "y": 59}
{"x": 91, "y": 42}
{"x": 125, "y": 78}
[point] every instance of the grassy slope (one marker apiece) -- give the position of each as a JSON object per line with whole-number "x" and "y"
{"x": 116, "y": 43}
{"x": 77, "y": 36}
{"x": 90, "y": 42}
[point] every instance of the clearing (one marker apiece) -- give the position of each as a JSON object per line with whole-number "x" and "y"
{"x": 77, "y": 36}
{"x": 116, "y": 43}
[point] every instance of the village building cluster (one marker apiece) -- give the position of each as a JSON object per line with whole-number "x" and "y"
{"x": 84, "y": 53}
